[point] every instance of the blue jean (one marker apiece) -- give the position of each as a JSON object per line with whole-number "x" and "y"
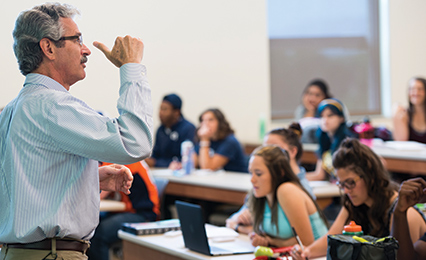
{"x": 106, "y": 234}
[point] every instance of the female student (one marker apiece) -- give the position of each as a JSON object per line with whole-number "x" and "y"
{"x": 272, "y": 203}
{"x": 410, "y": 124}
{"x": 289, "y": 140}
{"x": 332, "y": 131}
{"x": 369, "y": 198}
{"x": 218, "y": 148}
{"x": 313, "y": 94}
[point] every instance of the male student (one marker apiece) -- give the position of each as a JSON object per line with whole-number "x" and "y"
{"x": 411, "y": 192}
{"x": 174, "y": 130}
{"x": 51, "y": 142}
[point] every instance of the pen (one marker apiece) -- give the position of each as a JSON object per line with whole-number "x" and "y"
{"x": 298, "y": 240}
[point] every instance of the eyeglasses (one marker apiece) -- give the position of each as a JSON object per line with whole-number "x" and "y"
{"x": 79, "y": 39}
{"x": 348, "y": 183}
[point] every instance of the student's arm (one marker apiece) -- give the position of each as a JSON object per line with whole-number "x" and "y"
{"x": 420, "y": 248}
{"x": 297, "y": 214}
{"x": 319, "y": 247}
{"x": 407, "y": 224}
{"x": 150, "y": 161}
{"x": 215, "y": 162}
{"x": 400, "y": 124}
{"x": 241, "y": 221}
{"x": 319, "y": 174}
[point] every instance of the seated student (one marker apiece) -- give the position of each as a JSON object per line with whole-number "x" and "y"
{"x": 218, "y": 148}
{"x": 332, "y": 131}
{"x": 289, "y": 140}
{"x": 173, "y": 131}
{"x": 142, "y": 205}
{"x": 313, "y": 94}
{"x": 410, "y": 124}
{"x": 272, "y": 204}
{"x": 411, "y": 192}
{"x": 369, "y": 197}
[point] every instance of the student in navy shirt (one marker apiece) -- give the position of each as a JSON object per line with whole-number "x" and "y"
{"x": 173, "y": 131}
{"x": 218, "y": 148}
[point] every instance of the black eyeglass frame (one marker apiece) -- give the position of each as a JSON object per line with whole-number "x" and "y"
{"x": 70, "y": 38}
{"x": 348, "y": 183}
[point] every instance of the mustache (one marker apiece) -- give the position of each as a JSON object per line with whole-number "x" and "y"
{"x": 84, "y": 59}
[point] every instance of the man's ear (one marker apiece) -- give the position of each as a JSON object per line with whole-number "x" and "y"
{"x": 48, "y": 48}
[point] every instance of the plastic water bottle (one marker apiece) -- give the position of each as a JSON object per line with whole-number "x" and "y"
{"x": 187, "y": 149}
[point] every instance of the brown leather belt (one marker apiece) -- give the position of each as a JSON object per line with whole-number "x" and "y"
{"x": 61, "y": 244}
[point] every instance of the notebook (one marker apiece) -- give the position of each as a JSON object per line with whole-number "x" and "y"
{"x": 194, "y": 233}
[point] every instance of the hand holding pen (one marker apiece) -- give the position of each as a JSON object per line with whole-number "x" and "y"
{"x": 295, "y": 254}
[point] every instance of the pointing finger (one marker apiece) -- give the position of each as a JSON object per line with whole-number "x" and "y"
{"x": 102, "y": 47}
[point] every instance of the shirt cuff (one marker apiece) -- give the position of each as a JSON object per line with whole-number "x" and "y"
{"x": 132, "y": 72}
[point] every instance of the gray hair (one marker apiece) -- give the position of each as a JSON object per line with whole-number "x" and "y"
{"x": 35, "y": 24}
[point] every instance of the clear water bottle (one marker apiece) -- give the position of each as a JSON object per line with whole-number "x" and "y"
{"x": 187, "y": 149}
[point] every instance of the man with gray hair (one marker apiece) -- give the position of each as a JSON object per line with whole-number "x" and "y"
{"x": 51, "y": 142}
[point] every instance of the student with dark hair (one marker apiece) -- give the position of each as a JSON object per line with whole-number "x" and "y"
{"x": 332, "y": 131}
{"x": 217, "y": 147}
{"x": 174, "y": 130}
{"x": 272, "y": 204}
{"x": 289, "y": 140}
{"x": 313, "y": 94}
{"x": 410, "y": 124}
{"x": 369, "y": 197}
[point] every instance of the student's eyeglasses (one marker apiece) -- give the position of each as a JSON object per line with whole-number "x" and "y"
{"x": 348, "y": 183}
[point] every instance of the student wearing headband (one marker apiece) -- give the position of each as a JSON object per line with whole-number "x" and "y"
{"x": 331, "y": 133}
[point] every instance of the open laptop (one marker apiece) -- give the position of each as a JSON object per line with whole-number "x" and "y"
{"x": 195, "y": 237}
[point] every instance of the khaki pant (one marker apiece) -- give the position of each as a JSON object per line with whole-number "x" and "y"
{"x": 31, "y": 254}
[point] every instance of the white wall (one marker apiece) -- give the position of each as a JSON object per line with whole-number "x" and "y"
{"x": 213, "y": 53}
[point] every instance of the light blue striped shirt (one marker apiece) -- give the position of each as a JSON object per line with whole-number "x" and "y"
{"x": 50, "y": 143}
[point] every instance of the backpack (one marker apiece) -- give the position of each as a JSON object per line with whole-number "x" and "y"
{"x": 344, "y": 247}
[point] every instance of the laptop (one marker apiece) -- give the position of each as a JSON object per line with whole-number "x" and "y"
{"x": 195, "y": 236}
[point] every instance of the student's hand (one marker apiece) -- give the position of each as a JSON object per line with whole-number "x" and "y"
{"x": 125, "y": 50}
{"x": 297, "y": 254}
{"x": 399, "y": 111}
{"x": 115, "y": 177}
{"x": 231, "y": 223}
{"x": 205, "y": 133}
{"x": 411, "y": 192}
{"x": 244, "y": 218}
{"x": 258, "y": 240}
{"x": 175, "y": 165}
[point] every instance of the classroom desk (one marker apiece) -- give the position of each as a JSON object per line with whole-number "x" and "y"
{"x": 112, "y": 206}
{"x": 161, "y": 247}
{"x": 403, "y": 159}
{"x": 228, "y": 187}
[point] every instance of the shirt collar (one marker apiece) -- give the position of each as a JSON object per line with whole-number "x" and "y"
{"x": 39, "y": 79}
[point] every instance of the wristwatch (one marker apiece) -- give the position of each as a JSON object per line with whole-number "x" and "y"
{"x": 236, "y": 227}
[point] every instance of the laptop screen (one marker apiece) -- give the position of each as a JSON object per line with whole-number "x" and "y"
{"x": 192, "y": 225}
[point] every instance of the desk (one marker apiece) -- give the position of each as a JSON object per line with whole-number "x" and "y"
{"x": 397, "y": 160}
{"x": 228, "y": 187}
{"x": 169, "y": 248}
{"x": 112, "y": 206}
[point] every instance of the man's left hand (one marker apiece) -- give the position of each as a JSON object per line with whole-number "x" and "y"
{"x": 115, "y": 177}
